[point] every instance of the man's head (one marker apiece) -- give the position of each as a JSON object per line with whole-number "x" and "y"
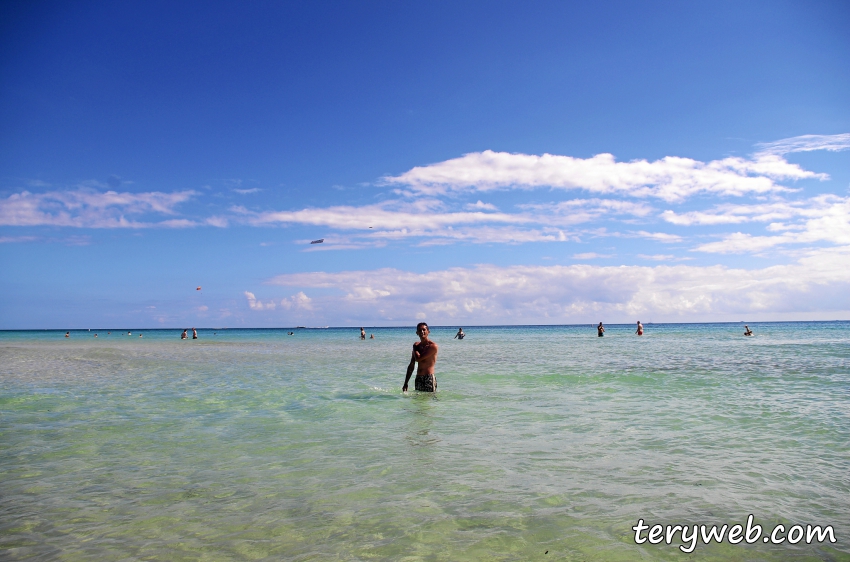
{"x": 422, "y": 329}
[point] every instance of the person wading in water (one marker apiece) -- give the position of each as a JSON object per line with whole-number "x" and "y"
{"x": 424, "y": 353}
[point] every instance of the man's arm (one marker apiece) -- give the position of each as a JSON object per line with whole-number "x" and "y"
{"x": 409, "y": 370}
{"x": 426, "y": 353}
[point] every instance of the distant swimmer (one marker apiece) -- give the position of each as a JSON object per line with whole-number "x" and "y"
{"x": 95, "y": 335}
{"x": 639, "y": 330}
{"x": 424, "y": 353}
{"x": 184, "y": 335}
{"x": 747, "y": 331}
{"x": 371, "y": 336}
{"x": 194, "y": 334}
{"x": 459, "y": 335}
{"x": 129, "y": 334}
{"x": 67, "y": 334}
{"x": 290, "y": 334}
{"x": 600, "y": 330}
{"x": 362, "y": 333}
{"x": 140, "y": 335}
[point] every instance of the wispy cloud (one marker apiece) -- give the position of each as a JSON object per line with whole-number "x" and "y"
{"x": 428, "y": 221}
{"x": 17, "y": 239}
{"x": 825, "y": 218}
{"x": 590, "y": 256}
{"x": 805, "y": 143}
{"x": 658, "y": 236}
{"x": 390, "y": 215}
{"x": 662, "y": 257}
{"x": 671, "y": 178}
{"x": 248, "y": 191}
{"x": 89, "y": 208}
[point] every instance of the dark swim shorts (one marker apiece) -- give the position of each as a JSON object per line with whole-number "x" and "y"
{"x": 425, "y": 383}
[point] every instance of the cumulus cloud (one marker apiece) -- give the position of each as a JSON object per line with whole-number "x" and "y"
{"x": 820, "y": 281}
{"x": 805, "y": 143}
{"x": 298, "y": 300}
{"x": 255, "y": 304}
{"x": 88, "y": 208}
{"x": 671, "y": 178}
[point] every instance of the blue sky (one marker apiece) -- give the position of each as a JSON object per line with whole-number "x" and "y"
{"x": 551, "y": 163}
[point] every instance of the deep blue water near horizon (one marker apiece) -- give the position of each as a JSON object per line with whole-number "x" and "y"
{"x": 252, "y": 444}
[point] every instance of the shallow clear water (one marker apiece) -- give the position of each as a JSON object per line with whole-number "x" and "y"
{"x": 251, "y": 444}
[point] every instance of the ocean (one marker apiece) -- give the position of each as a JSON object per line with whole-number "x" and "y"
{"x": 542, "y": 443}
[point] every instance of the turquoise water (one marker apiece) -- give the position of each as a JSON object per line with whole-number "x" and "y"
{"x": 251, "y": 444}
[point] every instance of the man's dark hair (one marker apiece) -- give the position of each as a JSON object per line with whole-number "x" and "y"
{"x": 422, "y": 324}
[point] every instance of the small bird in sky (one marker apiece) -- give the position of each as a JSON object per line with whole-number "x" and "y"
{"x": 319, "y": 241}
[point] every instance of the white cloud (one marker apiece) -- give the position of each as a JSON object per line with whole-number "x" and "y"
{"x": 575, "y": 211}
{"x": 248, "y": 191}
{"x": 374, "y": 225}
{"x": 590, "y": 256}
{"x": 662, "y": 257}
{"x": 825, "y": 218}
{"x": 819, "y": 282}
{"x": 671, "y": 178}
{"x": 659, "y": 236}
{"x": 87, "y": 208}
{"x": 255, "y": 304}
{"x": 480, "y": 205}
{"x": 761, "y": 212}
{"x": 391, "y": 215}
{"x": 220, "y": 222}
{"x": 298, "y": 300}
{"x": 16, "y": 239}
{"x": 805, "y": 143}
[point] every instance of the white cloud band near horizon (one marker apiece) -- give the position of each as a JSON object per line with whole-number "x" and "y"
{"x": 818, "y": 283}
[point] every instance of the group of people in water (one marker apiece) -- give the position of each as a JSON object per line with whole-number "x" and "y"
{"x": 425, "y": 354}
{"x": 185, "y": 335}
{"x": 68, "y": 334}
{"x": 600, "y": 329}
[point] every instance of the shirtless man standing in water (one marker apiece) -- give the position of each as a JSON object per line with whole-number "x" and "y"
{"x": 424, "y": 353}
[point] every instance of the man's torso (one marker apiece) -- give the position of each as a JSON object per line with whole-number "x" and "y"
{"x": 425, "y": 366}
